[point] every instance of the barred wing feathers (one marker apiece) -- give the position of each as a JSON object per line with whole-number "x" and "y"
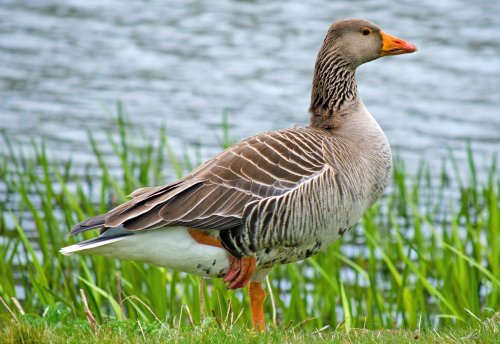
{"x": 215, "y": 195}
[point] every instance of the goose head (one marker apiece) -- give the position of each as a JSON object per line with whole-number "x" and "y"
{"x": 359, "y": 41}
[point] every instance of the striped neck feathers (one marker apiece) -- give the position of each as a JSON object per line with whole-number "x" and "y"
{"x": 334, "y": 91}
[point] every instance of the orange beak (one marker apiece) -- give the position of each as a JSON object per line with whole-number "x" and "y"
{"x": 395, "y": 46}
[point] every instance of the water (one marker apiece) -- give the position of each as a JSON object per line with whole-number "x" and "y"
{"x": 183, "y": 63}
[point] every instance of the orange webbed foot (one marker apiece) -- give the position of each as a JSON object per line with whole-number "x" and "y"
{"x": 240, "y": 271}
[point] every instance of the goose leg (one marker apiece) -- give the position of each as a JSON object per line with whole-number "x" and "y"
{"x": 241, "y": 269}
{"x": 257, "y": 296}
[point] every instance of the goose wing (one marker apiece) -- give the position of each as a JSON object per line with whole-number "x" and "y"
{"x": 215, "y": 194}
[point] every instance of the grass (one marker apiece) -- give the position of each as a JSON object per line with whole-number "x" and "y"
{"x": 424, "y": 257}
{"x": 36, "y": 330}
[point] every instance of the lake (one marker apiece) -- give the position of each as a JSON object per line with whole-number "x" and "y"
{"x": 185, "y": 63}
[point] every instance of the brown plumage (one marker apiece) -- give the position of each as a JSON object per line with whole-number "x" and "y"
{"x": 215, "y": 195}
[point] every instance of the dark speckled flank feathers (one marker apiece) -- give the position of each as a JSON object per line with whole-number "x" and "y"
{"x": 215, "y": 195}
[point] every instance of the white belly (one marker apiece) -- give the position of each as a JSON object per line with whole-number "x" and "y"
{"x": 172, "y": 248}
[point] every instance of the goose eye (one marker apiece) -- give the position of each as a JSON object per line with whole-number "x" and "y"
{"x": 366, "y": 32}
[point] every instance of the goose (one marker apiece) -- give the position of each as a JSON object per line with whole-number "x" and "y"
{"x": 275, "y": 198}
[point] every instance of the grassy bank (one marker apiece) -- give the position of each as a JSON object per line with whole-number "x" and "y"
{"x": 34, "y": 330}
{"x": 426, "y": 256}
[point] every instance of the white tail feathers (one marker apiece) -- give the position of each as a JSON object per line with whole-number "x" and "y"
{"x": 89, "y": 245}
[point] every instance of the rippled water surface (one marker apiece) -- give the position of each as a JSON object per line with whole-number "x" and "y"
{"x": 183, "y": 63}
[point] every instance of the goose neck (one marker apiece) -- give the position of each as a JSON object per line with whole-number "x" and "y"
{"x": 334, "y": 91}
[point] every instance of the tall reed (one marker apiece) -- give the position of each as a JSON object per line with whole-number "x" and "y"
{"x": 427, "y": 254}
